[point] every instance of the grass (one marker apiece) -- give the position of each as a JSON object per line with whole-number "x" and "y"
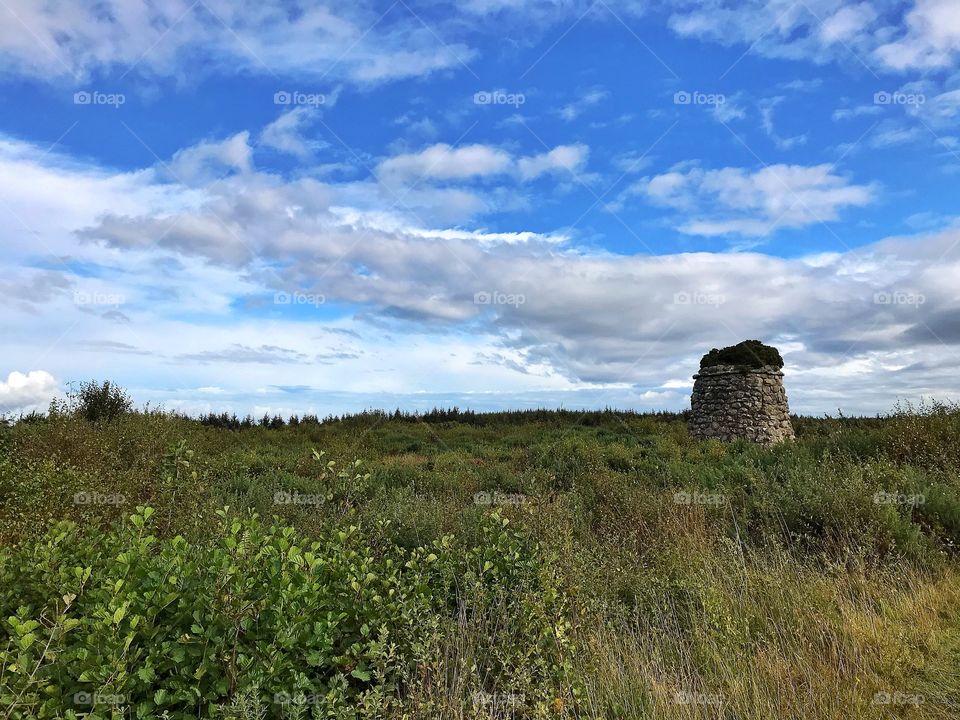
{"x": 627, "y": 571}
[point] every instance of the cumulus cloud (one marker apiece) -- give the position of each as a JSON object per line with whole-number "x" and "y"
{"x": 443, "y": 162}
{"x": 563, "y": 158}
{"x": 25, "y": 392}
{"x": 755, "y": 204}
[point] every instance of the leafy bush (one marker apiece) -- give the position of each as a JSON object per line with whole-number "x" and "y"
{"x": 342, "y": 624}
{"x": 93, "y": 401}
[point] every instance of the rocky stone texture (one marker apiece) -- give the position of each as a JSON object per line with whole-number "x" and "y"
{"x": 733, "y": 402}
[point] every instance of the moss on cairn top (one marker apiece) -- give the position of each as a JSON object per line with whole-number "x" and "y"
{"x": 749, "y": 353}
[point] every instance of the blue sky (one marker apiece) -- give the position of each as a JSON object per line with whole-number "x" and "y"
{"x": 309, "y": 207}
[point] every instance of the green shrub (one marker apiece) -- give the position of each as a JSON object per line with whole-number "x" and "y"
{"x": 262, "y": 614}
{"x": 93, "y": 401}
{"x": 168, "y": 626}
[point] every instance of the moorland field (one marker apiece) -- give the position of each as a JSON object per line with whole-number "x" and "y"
{"x": 550, "y": 564}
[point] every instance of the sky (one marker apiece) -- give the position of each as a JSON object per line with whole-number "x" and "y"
{"x": 312, "y": 207}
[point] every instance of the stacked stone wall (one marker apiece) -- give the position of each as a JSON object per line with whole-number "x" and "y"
{"x": 732, "y": 402}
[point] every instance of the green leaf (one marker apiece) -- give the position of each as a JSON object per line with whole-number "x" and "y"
{"x": 27, "y": 640}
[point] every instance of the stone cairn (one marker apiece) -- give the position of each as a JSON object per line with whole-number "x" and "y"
{"x": 739, "y": 395}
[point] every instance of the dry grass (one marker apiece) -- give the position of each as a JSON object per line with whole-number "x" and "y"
{"x": 775, "y": 639}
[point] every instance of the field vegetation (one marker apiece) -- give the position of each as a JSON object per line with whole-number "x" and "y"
{"x": 540, "y": 564}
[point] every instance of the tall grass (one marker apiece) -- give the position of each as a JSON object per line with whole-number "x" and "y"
{"x": 640, "y": 574}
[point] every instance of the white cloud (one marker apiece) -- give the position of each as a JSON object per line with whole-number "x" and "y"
{"x": 767, "y": 107}
{"x": 587, "y": 99}
{"x": 26, "y": 392}
{"x": 353, "y": 41}
{"x": 848, "y": 113}
{"x": 47, "y": 196}
{"x": 889, "y": 134}
{"x": 729, "y": 110}
{"x": 824, "y": 31}
{"x": 770, "y": 27}
{"x": 443, "y": 162}
{"x": 208, "y": 161}
{"x": 357, "y": 42}
{"x": 847, "y": 22}
{"x": 563, "y": 158}
{"x": 423, "y": 126}
{"x": 286, "y": 133}
{"x": 754, "y": 204}
{"x": 940, "y": 109}
{"x": 932, "y": 38}
{"x": 632, "y": 161}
